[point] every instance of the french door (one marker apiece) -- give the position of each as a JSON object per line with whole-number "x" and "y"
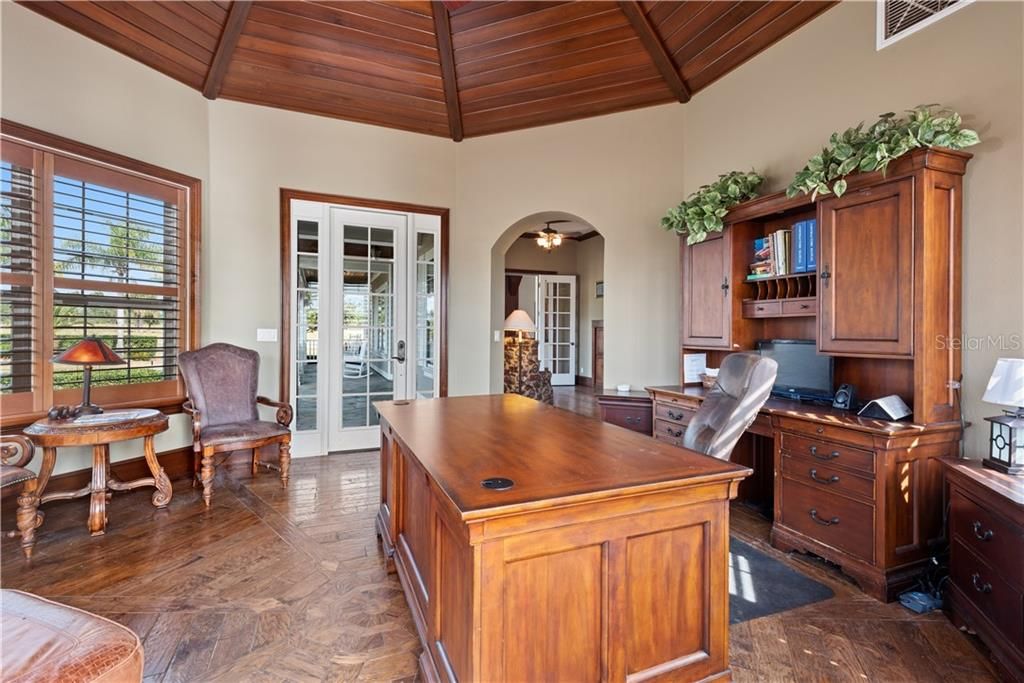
{"x": 367, "y": 324}
{"x": 556, "y": 326}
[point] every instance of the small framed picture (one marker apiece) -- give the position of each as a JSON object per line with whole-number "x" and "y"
{"x": 600, "y": 289}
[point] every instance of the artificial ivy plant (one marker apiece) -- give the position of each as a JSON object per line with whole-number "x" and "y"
{"x": 857, "y": 149}
{"x": 702, "y": 211}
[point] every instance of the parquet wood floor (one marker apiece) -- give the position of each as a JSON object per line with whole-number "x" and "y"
{"x": 289, "y": 585}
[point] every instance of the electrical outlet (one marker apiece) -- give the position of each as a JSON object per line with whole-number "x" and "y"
{"x": 266, "y": 334}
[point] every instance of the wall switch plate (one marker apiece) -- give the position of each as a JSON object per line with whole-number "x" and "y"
{"x": 266, "y": 334}
{"x": 497, "y": 335}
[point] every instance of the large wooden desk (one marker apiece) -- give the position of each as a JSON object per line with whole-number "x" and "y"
{"x": 607, "y": 559}
{"x": 865, "y": 494}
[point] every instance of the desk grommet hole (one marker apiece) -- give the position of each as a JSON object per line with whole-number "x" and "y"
{"x": 497, "y": 483}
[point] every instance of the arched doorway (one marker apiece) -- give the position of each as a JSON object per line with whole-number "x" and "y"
{"x": 561, "y": 288}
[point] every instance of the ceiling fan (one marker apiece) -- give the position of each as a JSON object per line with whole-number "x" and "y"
{"x": 549, "y": 238}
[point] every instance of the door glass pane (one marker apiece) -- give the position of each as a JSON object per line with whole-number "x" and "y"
{"x": 307, "y": 323}
{"x": 426, "y": 265}
{"x": 367, "y": 322}
{"x": 353, "y": 411}
{"x": 305, "y": 413}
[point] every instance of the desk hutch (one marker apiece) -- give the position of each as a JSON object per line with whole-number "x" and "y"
{"x": 885, "y": 303}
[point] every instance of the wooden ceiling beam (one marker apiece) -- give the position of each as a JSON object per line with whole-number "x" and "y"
{"x": 655, "y": 48}
{"x": 233, "y": 25}
{"x": 446, "y": 53}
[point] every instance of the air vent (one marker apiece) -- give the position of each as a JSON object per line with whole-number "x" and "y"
{"x": 897, "y": 19}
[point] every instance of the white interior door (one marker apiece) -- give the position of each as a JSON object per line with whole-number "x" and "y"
{"x": 556, "y": 326}
{"x": 364, "y": 312}
{"x": 368, "y": 333}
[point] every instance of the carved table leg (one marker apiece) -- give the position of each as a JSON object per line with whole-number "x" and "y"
{"x": 285, "y": 460}
{"x": 45, "y": 470}
{"x": 28, "y": 516}
{"x": 162, "y": 495}
{"x": 98, "y": 490}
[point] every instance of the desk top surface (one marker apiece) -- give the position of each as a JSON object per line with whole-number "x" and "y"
{"x": 553, "y": 456}
{"x": 817, "y": 413}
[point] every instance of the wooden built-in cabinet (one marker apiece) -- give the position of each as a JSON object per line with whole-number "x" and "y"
{"x": 707, "y": 278}
{"x": 867, "y": 266}
{"x": 885, "y": 303}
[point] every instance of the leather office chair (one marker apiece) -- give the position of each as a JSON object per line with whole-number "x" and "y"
{"x": 744, "y": 383}
{"x": 221, "y": 380}
{"x": 16, "y": 452}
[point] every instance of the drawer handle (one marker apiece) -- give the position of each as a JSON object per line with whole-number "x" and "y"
{"x": 978, "y": 585}
{"x": 823, "y": 522}
{"x": 831, "y": 456}
{"x": 675, "y": 416}
{"x": 982, "y": 535}
{"x": 676, "y": 433}
{"x": 759, "y": 308}
{"x": 804, "y": 307}
{"x": 820, "y": 430}
{"x": 630, "y": 420}
{"x": 831, "y": 480}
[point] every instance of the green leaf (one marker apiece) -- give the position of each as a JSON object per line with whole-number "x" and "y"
{"x": 839, "y": 187}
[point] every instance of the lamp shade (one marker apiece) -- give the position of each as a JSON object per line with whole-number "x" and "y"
{"x": 1006, "y": 385}
{"x": 89, "y": 351}
{"x": 519, "y": 320}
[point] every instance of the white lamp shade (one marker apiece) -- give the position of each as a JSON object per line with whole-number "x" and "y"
{"x": 1006, "y": 385}
{"x": 519, "y": 320}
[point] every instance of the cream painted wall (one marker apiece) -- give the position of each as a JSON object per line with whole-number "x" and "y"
{"x": 617, "y": 173}
{"x": 778, "y": 109}
{"x": 255, "y": 151}
{"x": 60, "y": 82}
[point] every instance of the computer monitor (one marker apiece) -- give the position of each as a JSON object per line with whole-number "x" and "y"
{"x": 804, "y": 374}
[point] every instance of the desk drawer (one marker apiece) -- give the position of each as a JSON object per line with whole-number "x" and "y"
{"x": 673, "y": 412}
{"x": 992, "y": 539}
{"x": 820, "y": 476}
{"x": 637, "y": 418}
{"x": 817, "y": 430}
{"x": 762, "y": 309}
{"x": 832, "y": 454}
{"x": 834, "y": 520}
{"x": 671, "y": 430}
{"x": 664, "y": 437}
{"x": 997, "y": 600}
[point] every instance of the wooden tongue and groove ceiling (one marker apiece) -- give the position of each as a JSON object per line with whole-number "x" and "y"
{"x": 454, "y": 69}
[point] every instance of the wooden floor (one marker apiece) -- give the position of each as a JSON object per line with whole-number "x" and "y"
{"x": 274, "y": 585}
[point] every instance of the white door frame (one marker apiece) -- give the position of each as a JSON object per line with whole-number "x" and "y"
{"x": 545, "y": 322}
{"x": 317, "y": 440}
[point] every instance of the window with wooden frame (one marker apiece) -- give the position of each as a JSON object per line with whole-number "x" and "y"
{"x": 92, "y": 244}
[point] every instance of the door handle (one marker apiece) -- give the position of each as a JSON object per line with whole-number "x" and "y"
{"x": 400, "y": 356}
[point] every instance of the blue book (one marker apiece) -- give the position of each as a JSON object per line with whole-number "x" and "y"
{"x": 812, "y": 245}
{"x": 800, "y": 247}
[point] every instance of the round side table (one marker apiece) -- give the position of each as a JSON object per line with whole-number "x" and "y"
{"x": 99, "y": 431}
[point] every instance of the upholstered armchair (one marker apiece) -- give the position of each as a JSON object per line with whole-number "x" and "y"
{"x": 16, "y": 453}
{"x": 744, "y": 383}
{"x": 221, "y": 381}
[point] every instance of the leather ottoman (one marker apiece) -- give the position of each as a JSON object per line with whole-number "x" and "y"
{"x": 47, "y": 641}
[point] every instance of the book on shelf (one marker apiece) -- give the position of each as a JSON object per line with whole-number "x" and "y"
{"x": 812, "y": 244}
{"x": 800, "y": 247}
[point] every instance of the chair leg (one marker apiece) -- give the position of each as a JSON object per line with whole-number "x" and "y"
{"x": 196, "y": 458}
{"x": 255, "y": 461}
{"x": 285, "y": 460}
{"x": 207, "y": 476}
{"x": 28, "y": 517}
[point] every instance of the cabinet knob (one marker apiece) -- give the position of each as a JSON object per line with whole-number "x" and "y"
{"x": 725, "y": 286}
{"x": 825, "y": 276}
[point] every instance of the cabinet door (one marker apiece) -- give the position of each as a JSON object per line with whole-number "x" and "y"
{"x": 706, "y": 314}
{"x": 866, "y": 271}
